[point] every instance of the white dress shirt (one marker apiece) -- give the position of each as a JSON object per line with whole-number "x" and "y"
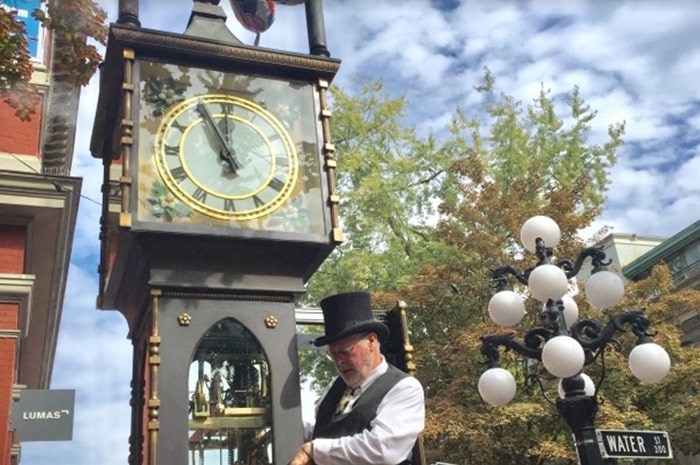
{"x": 400, "y": 418}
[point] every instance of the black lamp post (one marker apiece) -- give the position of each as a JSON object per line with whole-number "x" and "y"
{"x": 563, "y": 344}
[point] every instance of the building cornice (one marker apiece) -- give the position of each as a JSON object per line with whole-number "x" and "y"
{"x": 48, "y": 206}
{"x": 662, "y": 251}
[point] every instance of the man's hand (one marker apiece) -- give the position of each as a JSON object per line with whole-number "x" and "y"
{"x": 304, "y": 456}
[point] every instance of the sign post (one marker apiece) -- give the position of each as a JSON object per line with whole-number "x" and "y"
{"x": 627, "y": 444}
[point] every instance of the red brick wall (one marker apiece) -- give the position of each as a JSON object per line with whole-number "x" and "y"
{"x": 18, "y": 136}
{"x": 9, "y": 322}
{"x": 9, "y": 317}
{"x": 13, "y": 240}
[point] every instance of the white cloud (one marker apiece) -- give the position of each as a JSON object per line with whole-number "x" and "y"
{"x": 633, "y": 185}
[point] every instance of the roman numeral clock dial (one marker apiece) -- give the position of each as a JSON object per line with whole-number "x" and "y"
{"x": 226, "y": 157}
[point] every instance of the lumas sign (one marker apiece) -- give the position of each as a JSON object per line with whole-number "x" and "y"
{"x": 44, "y": 415}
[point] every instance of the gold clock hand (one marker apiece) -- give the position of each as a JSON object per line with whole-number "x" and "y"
{"x": 227, "y": 154}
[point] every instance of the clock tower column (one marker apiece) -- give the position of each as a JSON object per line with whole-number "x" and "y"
{"x": 219, "y": 204}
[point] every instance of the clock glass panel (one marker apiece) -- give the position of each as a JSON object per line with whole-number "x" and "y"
{"x": 220, "y": 149}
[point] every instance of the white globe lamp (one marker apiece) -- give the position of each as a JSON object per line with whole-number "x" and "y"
{"x": 542, "y": 227}
{"x": 547, "y": 282}
{"x": 497, "y": 386}
{"x": 506, "y": 308}
{"x": 649, "y": 362}
{"x": 563, "y": 356}
{"x": 604, "y": 289}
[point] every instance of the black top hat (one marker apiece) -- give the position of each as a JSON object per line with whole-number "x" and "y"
{"x": 347, "y": 314}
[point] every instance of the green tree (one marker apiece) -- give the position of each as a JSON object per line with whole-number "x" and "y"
{"x": 672, "y": 404}
{"x": 462, "y": 429}
{"x": 421, "y": 214}
{"x": 560, "y": 175}
{"x": 74, "y": 24}
{"x": 15, "y": 66}
{"x": 386, "y": 175}
{"x": 426, "y": 221}
{"x": 513, "y": 162}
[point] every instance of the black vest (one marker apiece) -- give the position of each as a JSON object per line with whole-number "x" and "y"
{"x": 365, "y": 410}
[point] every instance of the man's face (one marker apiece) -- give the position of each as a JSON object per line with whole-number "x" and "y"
{"x": 355, "y": 357}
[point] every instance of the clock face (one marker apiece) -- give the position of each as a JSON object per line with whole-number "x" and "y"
{"x": 227, "y": 150}
{"x": 226, "y": 157}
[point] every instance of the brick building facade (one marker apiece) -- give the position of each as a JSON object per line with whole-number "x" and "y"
{"x": 38, "y": 208}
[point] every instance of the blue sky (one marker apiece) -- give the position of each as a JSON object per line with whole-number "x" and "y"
{"x": 637, "y": 61}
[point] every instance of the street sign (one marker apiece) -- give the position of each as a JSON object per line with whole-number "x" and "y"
{"x": 627, "y": 444}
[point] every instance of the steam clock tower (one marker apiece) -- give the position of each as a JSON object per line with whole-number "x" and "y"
{"x": 219, "y": 204}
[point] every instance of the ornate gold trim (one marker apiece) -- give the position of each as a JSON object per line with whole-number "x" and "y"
{"x": 153, "y": 403}
{"x": 271, "y": 322}
{"x": 337, "y": 235}
{"x": 242, "y": 422}
{"x": 184, "y": 319}
{"x": 407, "y": 346}
{"x": 330, "y": 163}
{"x": 126, "y": 139}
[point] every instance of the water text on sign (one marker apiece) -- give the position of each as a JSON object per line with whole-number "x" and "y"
{"x": 626, "y": 443}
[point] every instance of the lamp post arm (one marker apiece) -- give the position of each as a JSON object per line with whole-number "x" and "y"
{"x": 591, "y": 336}
{"x": 490, "y": 347}
{"x": 500, "y": 280}
{"x": 597, "y": 260}
{"x": 535, "y": 339}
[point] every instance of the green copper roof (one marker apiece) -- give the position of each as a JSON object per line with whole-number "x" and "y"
{"x": 662, "y": 251}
